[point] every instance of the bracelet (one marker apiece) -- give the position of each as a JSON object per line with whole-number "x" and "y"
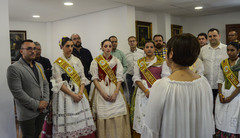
{"x": 116, "y": 92}
{"x": 146, "y": 91}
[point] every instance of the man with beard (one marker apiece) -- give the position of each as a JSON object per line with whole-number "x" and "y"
{"x": 30, "y": 90}
{"x": 161, "y": 50}
{"x": 118, "y": 53}
{"x": 211, "y": 56}
{"x": 84, "y": 55}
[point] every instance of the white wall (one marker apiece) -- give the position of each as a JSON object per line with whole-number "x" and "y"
{"x": 7, "y": 118}
{"x": 35, "y": 31}
{"x": 196, "y": 25}
{"x": 94, "y": 28}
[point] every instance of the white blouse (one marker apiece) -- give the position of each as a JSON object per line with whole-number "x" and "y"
{"x": 197, "y": 68}
{"x": 137, "y": 76}
{"x": 178, "y": 109}
{"x": 57, "y": 81}
{"x": 114, "y": 61}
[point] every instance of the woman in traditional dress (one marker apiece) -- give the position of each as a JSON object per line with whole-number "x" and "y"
{"x": 108, "y": 102}
{"x": 180, "y": 105}
{"x": 146, "y": 71}
{"x": 72, "y": 116}
{"x": 227, "y": 110}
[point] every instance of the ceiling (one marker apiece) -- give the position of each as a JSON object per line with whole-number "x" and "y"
{"x": 53, "y": 10}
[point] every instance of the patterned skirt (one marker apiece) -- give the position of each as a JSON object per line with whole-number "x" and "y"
{"x": 221, "y": 134}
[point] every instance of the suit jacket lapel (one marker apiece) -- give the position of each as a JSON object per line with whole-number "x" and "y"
{"x": 28, "y": 69}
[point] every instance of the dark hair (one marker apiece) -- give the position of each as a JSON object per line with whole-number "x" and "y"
{"x": 64, "y": 40}
{"x": 37, "y": 44}
{"x": 202, "y": 34}
{"x": 105, "y": 40}
{"x": 112, "y": 37}
{"x": 27, "y": 40}
{"x": 131, "y": 37}
{"x": 235, "y": 33}
{"x": 185, "y": 48}
{"x": 235, "y": 44}
{"x": 157, "y": 35}
{"x": 213, "y": 29}
{"x": 149, "y": 42}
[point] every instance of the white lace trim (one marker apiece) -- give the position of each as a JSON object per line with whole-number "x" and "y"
{"x": 75, "y": 134}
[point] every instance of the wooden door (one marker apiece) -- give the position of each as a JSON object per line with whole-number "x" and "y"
{"x": 232, "y": 27}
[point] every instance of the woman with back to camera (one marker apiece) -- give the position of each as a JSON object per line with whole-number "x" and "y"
{"x": 72, "y": 116}
{"x": 227, "y": 110}
{"x": 108, "y": 102}
{"x": 146, "y": 71}
{"x": 180, "y": 105}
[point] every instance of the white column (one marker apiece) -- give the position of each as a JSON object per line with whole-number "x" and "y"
{"x": 7, "y": 120}
{"x": 164, "y": 25}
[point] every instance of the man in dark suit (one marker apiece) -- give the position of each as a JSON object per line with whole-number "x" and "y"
{"x": 84, "y": 55}
{"x": 29, "y": 87}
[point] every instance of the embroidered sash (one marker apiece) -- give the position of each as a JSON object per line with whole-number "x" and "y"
{"x": 41, "y": 71}
{"x": 229, "y": 73}
{"x": 147, "y": 74}
{"x": 106, "y": 68}
{"x": 72, "y": 73}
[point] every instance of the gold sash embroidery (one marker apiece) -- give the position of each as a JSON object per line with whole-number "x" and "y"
{"x": 72, "y": 73}
{"x": 41, "y": 71}
{"x": 106, "y": 68}
{"x": 147, "y": 74}
{"x": 229, "y": 74}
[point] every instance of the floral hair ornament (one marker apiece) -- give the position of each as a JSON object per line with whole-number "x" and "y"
{"x": 60, "y": 41}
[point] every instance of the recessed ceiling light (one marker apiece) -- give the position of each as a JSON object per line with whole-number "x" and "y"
{"x": 198, "y": 8}
{"x": 36, "y": 16}
{"x": 68, "y": 3}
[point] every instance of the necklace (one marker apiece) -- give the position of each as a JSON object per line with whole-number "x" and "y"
{"x": 179, "y": 70}
{"x": 151, "y": 58}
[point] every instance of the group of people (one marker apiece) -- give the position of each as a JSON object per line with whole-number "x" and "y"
{"x": 172, "y": 88}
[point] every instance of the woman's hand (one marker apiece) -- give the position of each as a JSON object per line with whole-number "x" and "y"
{"x": 226, "y": 100}
{"x": 76, "y": 97}
{"x": 106, "y": 97}
{"x": 114, "y": 96}
{"x": 221, "y": 97}
{"x": 146, "y": 91}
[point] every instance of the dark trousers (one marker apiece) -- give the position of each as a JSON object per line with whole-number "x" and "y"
{"x": 215, "y": 93}
{"x": 33, "y": 127}
{"x": 130, "y": 85}
{"x": 88, "y": 88}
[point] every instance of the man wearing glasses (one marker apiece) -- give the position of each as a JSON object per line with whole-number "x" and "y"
{"x": 131, "y": 57}
{"x": 29, "y": 87}
{"x": 84, "y": 55}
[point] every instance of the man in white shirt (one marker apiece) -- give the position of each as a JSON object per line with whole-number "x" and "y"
{"x": 132, "y": 56}
{"x": 212, "y": 55}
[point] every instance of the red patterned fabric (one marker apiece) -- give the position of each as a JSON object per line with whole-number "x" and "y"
{"x": 102, "y": 74}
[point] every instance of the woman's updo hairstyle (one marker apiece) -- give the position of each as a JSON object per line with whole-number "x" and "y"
{"x": 235, "y": 44}
{"x": 105, "y": 40}
{"x": 149, "y": 41}
{"x": 185, "y": 48}
{"x": 64, "y": 40}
